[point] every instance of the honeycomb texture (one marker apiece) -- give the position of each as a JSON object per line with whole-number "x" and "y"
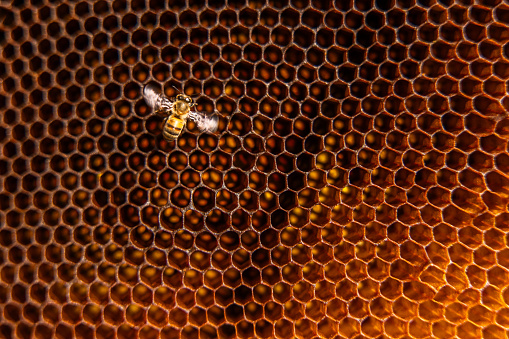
{"x": 357, "y": 186}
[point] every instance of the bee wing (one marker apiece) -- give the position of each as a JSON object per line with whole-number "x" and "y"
{"x": 205, "y": 123}
{"x": 156, "y": 100}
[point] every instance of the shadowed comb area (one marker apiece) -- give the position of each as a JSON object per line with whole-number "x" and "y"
{"x": 356, "y": 187}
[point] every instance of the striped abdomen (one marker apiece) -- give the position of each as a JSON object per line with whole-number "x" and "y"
{"x": 172, "y": 127}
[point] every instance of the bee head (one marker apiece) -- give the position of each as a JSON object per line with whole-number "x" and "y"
{"x": 183, "y": 104}
{"x": 187, "y": 99}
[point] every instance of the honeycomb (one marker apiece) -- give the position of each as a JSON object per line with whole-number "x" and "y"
{"x": 357, "y": 186}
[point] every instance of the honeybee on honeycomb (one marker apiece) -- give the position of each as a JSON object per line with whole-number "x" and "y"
{"x": 176, "y": 112}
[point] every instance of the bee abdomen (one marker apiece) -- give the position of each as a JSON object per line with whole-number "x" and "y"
{"x": 172, "y": 128}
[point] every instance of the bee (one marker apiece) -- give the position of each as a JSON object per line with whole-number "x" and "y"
{"x": 176, "y": 112}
